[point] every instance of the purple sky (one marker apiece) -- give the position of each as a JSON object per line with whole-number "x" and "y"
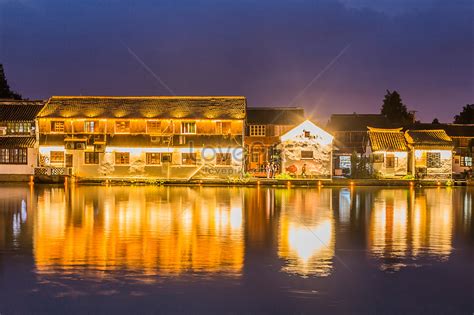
{"x": 327, "y": 56}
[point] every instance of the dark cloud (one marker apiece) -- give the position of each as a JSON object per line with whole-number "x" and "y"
{"x": 268, "y": 51}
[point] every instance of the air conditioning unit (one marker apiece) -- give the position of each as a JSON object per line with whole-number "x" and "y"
{"x": 80, "y": 146}
{"x": 69, "y": 145}
{"x": 155, "y": 139}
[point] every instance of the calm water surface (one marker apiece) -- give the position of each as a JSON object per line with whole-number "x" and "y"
{"x": 254, "y": 250}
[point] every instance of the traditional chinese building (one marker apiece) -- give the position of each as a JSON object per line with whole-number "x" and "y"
{"x": 350, "y": 135}
{"x": 388, "y": 152}
{"x": 166, "y": 137}
{"x": 306, "y": 151}
{"x": 432, "y": 154}
{"x": 463, "y": 141}
{"x": 18, "y": 154}
{"x": 263, "y": 131}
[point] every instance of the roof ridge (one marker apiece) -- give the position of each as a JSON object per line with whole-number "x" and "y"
{"x": 146, "y": 96}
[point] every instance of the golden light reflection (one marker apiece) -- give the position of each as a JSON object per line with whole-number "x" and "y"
{"x": 407, "y": 225}
{"x": 144, "y": 229}
{"x": 306, "y": 236}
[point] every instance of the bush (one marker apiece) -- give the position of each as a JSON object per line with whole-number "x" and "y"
{"x": 283, "y": 176}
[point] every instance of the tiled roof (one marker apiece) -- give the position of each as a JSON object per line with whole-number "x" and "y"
{"x": 436, "y": 138}
{"x": 275, "y": 115}
{"x": 391, "y": 140}
{"x": 357, "y": 122}
{"x": 11, "y": 110}
{"x": 17, "y": 142}
{"x": 167, "y": 107}
{"x": 453, "y": 130}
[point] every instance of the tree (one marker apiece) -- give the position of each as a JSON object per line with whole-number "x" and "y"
{"x": 5, "y": 91}
{"x": 466, "y": 116}
{"x": 394, "y": 109}
{"x": 435, "y": 121}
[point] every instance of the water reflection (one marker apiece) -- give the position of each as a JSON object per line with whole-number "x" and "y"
{"x": 406, "y": 225}
{"x": 105, "y": 232}
{"x": 306, "y": 234}
{"x": 146, "y": 229}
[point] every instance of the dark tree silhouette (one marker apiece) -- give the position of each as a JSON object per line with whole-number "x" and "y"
{"x": 394, "y": 109}
{"x": 5, "y": 91}
{"x": 435, "y": 121}
{"x": 466, "y": 116}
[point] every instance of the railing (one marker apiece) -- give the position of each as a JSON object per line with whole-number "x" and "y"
{"x": 54, "y": 171}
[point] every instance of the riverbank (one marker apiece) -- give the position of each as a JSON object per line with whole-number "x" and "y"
{"x": 265, "y": 182}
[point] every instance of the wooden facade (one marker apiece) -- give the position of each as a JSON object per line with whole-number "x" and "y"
{"x": 152, "y": 137}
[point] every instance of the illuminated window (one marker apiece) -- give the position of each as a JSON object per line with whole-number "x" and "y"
{"x": 255, "y": 157}
{"x": 122, "y": 126}
{"x": 223, "y": 127}
{"x": 122, "y": 158}
{"x": 433, "y": 160}
{"x": 307, "y": 134}
{"x": 345, "y": 161}
{"x": 466, "y": 161}
{"x": 391, "y": 161}
{"x": 188, "y": 127}
{"x": 56, "y": 156}
{"x": 18, "y": 128}
{"x": 378, "y": 157}
{"x": 257, "y": 130}
{"x": 13, "y": 156}
{"x": 89, "y": 126}
{"x": 223, "y": 158}
{"x": 153, "y": 158}
{"x": 166, "y": 157}
{"x": 188, "y": 158}
{"x": 306, "y": 154}
{"x": 57, "y": 126}
{"x": 153, "y": 126}
{"x": 91, "y": 158}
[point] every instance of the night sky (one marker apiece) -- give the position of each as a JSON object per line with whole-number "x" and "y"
{"x": 327, "y": 56}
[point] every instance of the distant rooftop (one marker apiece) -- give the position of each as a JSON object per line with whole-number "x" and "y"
{"x": 435, "y": 138}
{"x": 357, "y": 122}
{"x": 19, "y": 110}
{"x": 275, "y": 115}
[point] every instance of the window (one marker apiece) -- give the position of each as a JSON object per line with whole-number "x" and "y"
{"x": 223, "y": 127}
{"x": 18, "y": 128}
{"x": 166, "y": 158}
{"x": 223, "y": 158}
{"x": 188, "y": 127}
{"x": 91, "y": 158}
{"x": 391, "y": 161}
{"x": 378, "y": 157}
{"x": 153, "y": 126}
{"x": 433, "y": 160}
{"x": 257, "y": 130}
{"x": 90, "y": 126}
{"x": 345, "y": 161}
{"x": 466, "y": 161}
{"x": 255, "y": 157}
{"x": 307, "y": 134}
{"x": 188, "y": 158}
{"x": 122, "y": 158}
{"x": 56, "y": 157}
{"x": 306, "y": 154}
{"x": 57, "y": 126}
{"x": 122, "y": 126}
{"x": 13, "y": 156}
{"x": 463, "y": 142}
{"x": 153, "y": 158}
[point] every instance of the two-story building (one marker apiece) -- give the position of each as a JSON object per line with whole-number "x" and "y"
{"x": 350, "y": 135}
{"x": 18, "y": 153}
{"x": 264, "y": 127}
{"x": 167, "y": 137}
